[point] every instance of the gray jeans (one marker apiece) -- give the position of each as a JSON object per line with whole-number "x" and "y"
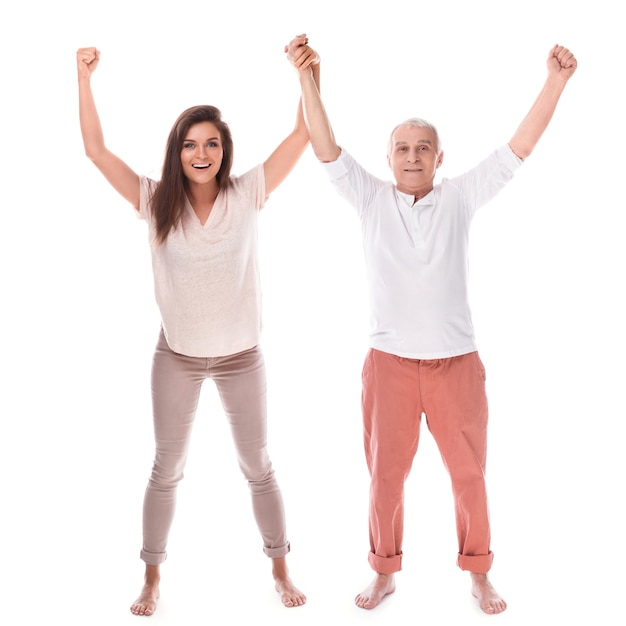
{"x": 241, "y": 383}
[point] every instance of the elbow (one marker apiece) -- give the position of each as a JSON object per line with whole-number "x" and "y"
{"x": 520, "y": 150}
{"x": 95, "y": 153}
{"x": 91, "y": 155}
{"x": 327, "y": 155}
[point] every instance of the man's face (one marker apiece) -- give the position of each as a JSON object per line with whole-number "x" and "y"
{"x": 414, "y": 159}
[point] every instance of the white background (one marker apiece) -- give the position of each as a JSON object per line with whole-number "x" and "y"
{"x": 79, "y": 321}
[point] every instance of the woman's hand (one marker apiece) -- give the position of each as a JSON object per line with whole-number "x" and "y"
{"x": 300, "y": 54}
{"x": 87, "y": 61}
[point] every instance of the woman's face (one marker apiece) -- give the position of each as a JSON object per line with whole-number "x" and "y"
{"x": 202, "y": 153}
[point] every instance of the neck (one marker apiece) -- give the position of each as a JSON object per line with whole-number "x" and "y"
{"x": 417, "y": 192}
{"x": 202, "y": 199}
{"x": 201, "y": 194}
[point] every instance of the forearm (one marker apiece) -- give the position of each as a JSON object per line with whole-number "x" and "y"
{"x": 287, "y": 154}
{"x": 320, "y": 130}
{"x": 301, "y": 129}
{"x": 537, "y": 119}
{"x": 91, "y": 129}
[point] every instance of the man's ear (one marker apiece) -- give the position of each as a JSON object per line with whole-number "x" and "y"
{"x": 440, "y": 158}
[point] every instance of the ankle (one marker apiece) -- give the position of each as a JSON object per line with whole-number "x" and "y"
{"x": 279, "y": 568}
{"x": 152, "y": 576}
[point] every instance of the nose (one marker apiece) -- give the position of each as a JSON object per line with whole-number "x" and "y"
{"x": 201, "y": 151}
{"x": 413, "y": 156}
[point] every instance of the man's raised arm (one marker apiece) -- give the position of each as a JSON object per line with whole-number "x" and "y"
{"x": 320, "y": 131}
{"x": 561, "y": 65}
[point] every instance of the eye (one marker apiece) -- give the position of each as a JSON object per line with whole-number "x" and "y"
{"x": 213, "y": 144}
{"x": 188, "y": 145}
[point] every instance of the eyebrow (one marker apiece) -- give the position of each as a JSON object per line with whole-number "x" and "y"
{"x": 209, "y": 139}
{"x": 401, "y": 143}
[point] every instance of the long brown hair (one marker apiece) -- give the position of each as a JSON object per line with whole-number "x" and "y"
{"x": 168, "y": 201}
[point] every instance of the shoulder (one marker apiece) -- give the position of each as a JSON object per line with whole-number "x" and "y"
{"x": 248, "y": 179}
{"x": 248, "y": 187}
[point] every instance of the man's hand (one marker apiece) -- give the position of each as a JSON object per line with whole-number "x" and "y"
{"x": 300, "y": 54}
{"x": 561, "y": 63}
{"x": 87, "y": 61}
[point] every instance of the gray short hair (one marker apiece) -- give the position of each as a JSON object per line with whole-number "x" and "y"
{"x": 420, "y": 123}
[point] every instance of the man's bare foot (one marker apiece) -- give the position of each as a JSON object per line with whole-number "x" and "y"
{"x": 290, "y": 595}
{"x": 381, "y": 586}
{"x": 488, "y": 598}
{"x": 146, "y": 603}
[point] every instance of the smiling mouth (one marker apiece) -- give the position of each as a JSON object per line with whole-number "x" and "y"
{"x": 200, "y": 166}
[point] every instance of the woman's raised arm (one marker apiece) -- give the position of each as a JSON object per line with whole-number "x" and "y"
{"x": 123, "y": 179}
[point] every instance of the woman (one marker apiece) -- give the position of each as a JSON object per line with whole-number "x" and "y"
{"x": 203, "y": 237}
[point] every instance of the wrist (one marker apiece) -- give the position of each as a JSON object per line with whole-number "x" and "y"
{"x": 306, "y": 74}
{"x": 556, "y": 80}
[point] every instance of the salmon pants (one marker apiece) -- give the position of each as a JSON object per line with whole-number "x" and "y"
{"x": 451, "y": 394}
{"x": 176, "y": 383}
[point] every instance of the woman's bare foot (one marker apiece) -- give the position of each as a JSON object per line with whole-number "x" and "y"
{"x": 146, "y": 603}
{"x": 488, "y": 598}
{"x": 381, "y": 586}
{"x": 290, "y": 595}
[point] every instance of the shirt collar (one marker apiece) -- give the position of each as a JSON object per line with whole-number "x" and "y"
{"x": 409, "y": 199}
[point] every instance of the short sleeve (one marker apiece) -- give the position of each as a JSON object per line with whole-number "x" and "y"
{"x": 250, "y": 187}
{"x": 339, "y": 167}
{"x": 146, "y": 189}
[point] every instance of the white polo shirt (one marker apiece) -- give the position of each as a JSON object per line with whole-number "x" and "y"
{"x": 206, "y": 276}
{"x": 416, "y": 254}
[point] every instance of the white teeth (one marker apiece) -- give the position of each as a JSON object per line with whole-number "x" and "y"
{"x": 199, "y": 166}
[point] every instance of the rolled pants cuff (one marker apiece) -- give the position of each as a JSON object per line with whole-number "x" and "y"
{"x": 152, "y": 558}
{"x": 477, "y": 563}
{"x": 385, "y": 564}
{"x": 277, "y": 553}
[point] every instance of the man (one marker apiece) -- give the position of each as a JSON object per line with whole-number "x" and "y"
{"x": 422, "y": 357}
